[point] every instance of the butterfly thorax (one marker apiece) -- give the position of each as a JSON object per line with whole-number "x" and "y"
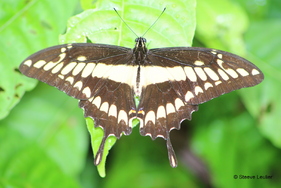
{"x": 140, "y": 50}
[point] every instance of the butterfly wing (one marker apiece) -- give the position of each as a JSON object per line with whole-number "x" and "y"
{"x": 179, "y": 79}
{"x": 77, "y": 69}
{"x": 90, "y": 73}
{"x": 203, "y": 74}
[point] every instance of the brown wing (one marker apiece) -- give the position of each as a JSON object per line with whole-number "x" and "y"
{"x": 87, "y": 72}
{"x": 178, "y": 79}
{"x": 203, "y": 73}
{"x": 111, "y": 109}
{"x": 78, "y": 69}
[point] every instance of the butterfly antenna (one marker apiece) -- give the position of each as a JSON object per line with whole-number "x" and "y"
{"x": 124, "y": 21}
{"x": 154, "y": 22}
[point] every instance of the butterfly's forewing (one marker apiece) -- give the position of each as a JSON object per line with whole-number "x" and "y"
{"x": 79, "y": 69}
{"x": 201, "y": 74}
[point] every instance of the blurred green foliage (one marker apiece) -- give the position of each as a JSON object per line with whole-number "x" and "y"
{"x": 43, "y": 136}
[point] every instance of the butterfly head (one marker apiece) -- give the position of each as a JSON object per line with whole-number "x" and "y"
{"x": 140, "y": 50}
{"x": 140, "y": 42}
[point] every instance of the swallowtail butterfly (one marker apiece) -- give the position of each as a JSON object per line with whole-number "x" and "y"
{"x": 170, "y": 82}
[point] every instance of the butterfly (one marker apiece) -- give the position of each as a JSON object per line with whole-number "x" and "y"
{"x": 170, "y": 83}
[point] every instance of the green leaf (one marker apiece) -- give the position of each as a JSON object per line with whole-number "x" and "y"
{"x": 266, "y": 50}
{"x": 144, "y": 162}
{"x": 45, "y": 136}
{"x": 234, "y": 146}
{"x": 221, "y": 24}
{"x": 28, "y": 165}
{"x": 233, "y": 142}
{"x": 96, "y": 138}
{"x": 25, "y": 27}
{"x": 102, "y": 25}
{"x": 108, "y": 28}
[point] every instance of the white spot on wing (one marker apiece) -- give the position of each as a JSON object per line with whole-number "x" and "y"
{"x": 81, "y": 58}
{"x": 232, "y": 73}
{"x": 62, "y": 56}
{"x": 49, "y": 65}
{"x": 178, "y": 103}
{"x": 200, "y": 73}
{"x": 61, "y": 76}
{"x": 161, "y": 113}
{"x": 57, "y": 68}
{"x": 219, "y": 56}
{"x": 122, "y": 115}
{"x": 70, "y": 79}
{"x": 212, "y": 74}
{"x": 78, "y": 85}
{"x": 78, "y": 68}
{"x": 190, "y": 74}
{"x": 150, "y": 116}
{"x": 170, "y": 108}
{"x": 229, "y": 71}
{"x": 104, "y": 107}
{"x": 223, "y": 75}
{"x": 112, "y": 111}
{"x": 218, "y": 82}
{"x": 199, "y": 63}
{"x": 188, "y": 96}
{"x": 255, "y": 72}
{"x": 242, "y": 72}
{"x": 28, "y": 63}
{"x": 68, "y": 68}
{"x": 198, "y": 90}
{"x": 88, "y": 69}
{"x": 97, "y": 101}
{"x": 39, "y": 64}
{"x": 63, "y": 50}
{"x": 207, "y": 85}
{"x": 87, "y": 92}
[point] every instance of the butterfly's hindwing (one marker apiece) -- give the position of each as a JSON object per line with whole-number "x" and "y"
{"x": 161, "y": 111}
{"x": 111, "y": 112}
